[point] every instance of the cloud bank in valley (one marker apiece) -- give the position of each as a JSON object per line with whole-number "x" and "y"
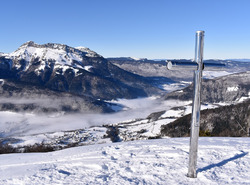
{"x": 20, "y": 124}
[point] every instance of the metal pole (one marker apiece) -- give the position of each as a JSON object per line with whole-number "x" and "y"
{"x": 195, "y": 123}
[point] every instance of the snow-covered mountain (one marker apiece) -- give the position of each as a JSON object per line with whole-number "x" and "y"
{"x": 62, "y": 54}
{"x": 61, "y": 68}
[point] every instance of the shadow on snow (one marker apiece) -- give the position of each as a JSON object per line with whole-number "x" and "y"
{"x": 237, "y": 156}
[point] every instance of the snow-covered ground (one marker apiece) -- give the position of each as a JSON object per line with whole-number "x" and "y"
{"x": 161, "y": 161}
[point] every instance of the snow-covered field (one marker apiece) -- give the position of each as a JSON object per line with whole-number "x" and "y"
{"x": 161, "y": 161}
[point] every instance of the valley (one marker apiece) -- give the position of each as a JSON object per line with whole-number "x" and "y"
{"x": 54, "y": 96}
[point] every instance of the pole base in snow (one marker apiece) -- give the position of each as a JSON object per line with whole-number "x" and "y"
{"x": 192, "y": 175}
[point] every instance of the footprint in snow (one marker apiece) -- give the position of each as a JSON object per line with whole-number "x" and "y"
{"x": 128, "y": 169}
{"x": 132, "y": 155}
{"x": 104, "y": 153}
{"x": 105, "y": 167}
{"x": 64, "y": 172}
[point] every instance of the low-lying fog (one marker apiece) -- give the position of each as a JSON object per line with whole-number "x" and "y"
{"x": 17, "y": 124}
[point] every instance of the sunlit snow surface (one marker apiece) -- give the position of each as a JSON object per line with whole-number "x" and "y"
{"x": 162, "y": 161}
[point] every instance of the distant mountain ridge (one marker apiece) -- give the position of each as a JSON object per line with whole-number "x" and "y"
{"x": 241, "y": 60}
{"x": 151, "y": 68}
{"x": 231, "y": 88}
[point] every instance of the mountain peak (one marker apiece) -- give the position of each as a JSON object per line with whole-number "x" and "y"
{"x": 30, "y": 43}
{"x": 83, "y": 51}
{"x": 59, "y": 52}
{"x": 48, "y": 45}
{"x": 27, "y": 44}
{"x": 89, "y": 52}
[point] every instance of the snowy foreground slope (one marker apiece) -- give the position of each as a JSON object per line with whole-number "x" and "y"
{"x": 162, "y": 161}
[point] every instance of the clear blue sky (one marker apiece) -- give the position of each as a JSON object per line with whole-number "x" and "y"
{"x": 136, "y": 28}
